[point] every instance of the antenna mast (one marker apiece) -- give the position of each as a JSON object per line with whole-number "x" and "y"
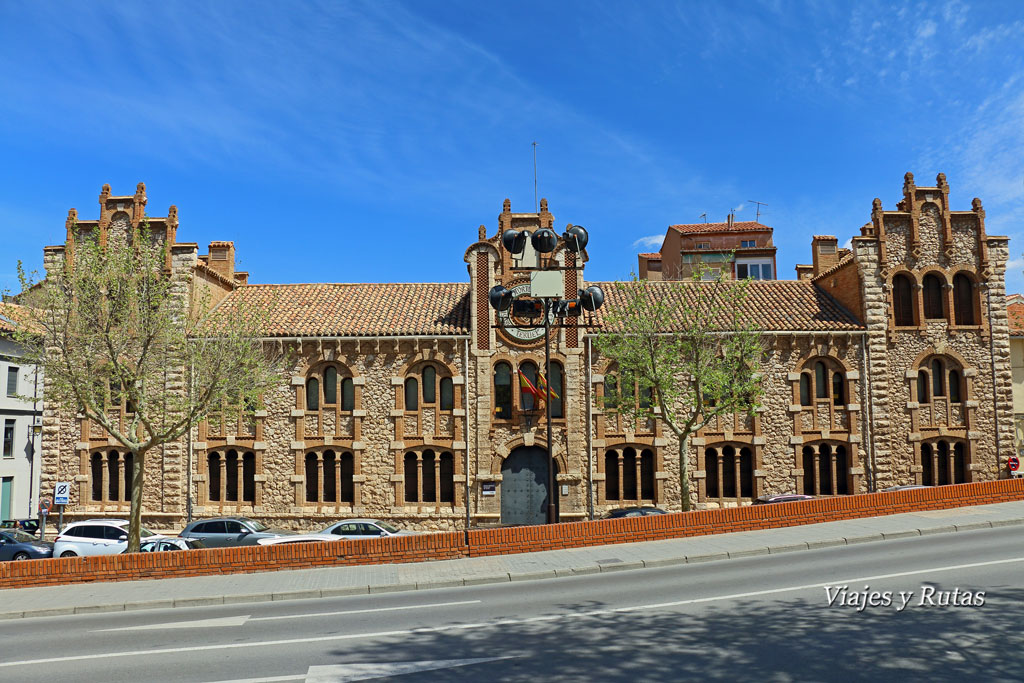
{"x": 536, "y": 206}
{"x": 757, "y": 219}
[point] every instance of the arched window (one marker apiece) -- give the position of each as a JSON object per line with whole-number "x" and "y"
{"x": 96, "y": 473}
{"x": 557, "y": 395}
{"x": 527, "y": 401}
{"x": 820, "y": 383}
{"x": 932, "y": 286}
{"x": 330, "y": 386}
{"x": 826, "y": 469}
{"x": 213, "y": 476}
{"x": 312, "y": 478}
{"x": 611, "y": 390}
{"x": 231, "y": 472}
{"x": 805, "y": 388}
{"x": 728, "y": 474}
{"x": 412, "y": 393}
{"x": 231, "y": 477}
{"x": 428, "y": 469}
{"x": 922, "y": 386}
{"x": 348, "y": 394}
{"x": 611, "y": 475}
{"x": 447, "y": 393}
{"x": 312, "y": 394}
{"x": 429, "y": 477}
{"x": 838, "y": 389}
{"x": 429, "y": 384}
{"x": 954, "y": 386}
{"x": 902, "y": 301}
{"x": 629, "y": 475}
{"x": 938, "y": 385}
{"x": 963, "y": 300}
{"x": 411, "y": 476}
{"x": 502, "y": 391}
{"x": 111, "y": 474}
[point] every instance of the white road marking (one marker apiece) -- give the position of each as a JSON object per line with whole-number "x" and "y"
{"x": 366, "y": 611}
{"x": 364, "y": 671}
{"x": 198, "y": 623}
{"x": 503, "y": 622}
{"x": 240, "y": 620}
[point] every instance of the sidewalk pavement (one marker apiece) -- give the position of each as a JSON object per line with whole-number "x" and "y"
{"x": 337, "y": 581}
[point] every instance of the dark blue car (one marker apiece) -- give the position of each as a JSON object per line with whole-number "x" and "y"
{"x": 17, "y": 545}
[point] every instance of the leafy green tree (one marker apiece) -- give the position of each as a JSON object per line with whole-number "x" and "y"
{"x": 688, "y": 349}
{"x": 114, "y": 326}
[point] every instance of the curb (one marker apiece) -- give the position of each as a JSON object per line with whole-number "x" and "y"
{"x": 503, "y": 577}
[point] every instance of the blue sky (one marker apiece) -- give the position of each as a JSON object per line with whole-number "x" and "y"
{"x": 353, "y": 142}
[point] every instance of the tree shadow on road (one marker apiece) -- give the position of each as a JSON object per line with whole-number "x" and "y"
{"x": 785, "y": 640}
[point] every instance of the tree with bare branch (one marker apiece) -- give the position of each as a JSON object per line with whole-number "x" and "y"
{"x": 115, "y": 329}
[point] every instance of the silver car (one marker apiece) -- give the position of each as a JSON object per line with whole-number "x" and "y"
{"x": 365, "y": 528}
{"x": 230, "y": 531}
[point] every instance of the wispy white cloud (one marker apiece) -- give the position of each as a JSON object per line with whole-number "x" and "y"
{"x": 649, "y": 242}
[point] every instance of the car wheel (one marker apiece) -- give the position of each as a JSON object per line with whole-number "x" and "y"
{"x": 21, "y": 556}
{"x": 68, "y": 553}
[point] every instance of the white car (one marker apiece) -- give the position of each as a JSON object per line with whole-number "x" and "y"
{"x": 303, "y": 538}
{"x": 365, "y": 528}
{"x": 96, "y": 537}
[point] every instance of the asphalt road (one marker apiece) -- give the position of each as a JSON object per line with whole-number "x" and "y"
{"x": 760, "y": 618}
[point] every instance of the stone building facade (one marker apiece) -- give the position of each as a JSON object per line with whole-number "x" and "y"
{"x": 887, "y": 364}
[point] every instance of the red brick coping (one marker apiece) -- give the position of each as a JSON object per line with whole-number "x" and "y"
{"x": 452, "y": 545}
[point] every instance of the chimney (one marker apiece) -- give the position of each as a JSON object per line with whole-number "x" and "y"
{"x": 825, "y": 251}
{"x": 730, "y": 221}
{"x": 222, "y": 259}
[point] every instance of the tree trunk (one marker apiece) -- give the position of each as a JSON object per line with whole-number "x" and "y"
{"x": 135, "y": 516}
{"x": 684, "y": 472}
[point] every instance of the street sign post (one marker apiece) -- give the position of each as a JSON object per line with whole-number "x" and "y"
{"x": 61, "y": 493}
{"x": 1013, "y": 464}
{"x": 44, "y": 509}
{"x": 61, "y": 497}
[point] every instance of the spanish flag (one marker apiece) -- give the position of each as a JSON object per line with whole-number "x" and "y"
{"x": 526, "y": 385}
{"x": 544, "y": 388}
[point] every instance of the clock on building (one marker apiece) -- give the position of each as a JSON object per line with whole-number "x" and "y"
{"x": 523, "y": 330}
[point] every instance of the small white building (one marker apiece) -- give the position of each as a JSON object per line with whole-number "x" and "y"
{"x": 21, "y": 405}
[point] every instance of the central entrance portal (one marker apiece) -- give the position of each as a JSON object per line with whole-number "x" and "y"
{"x": 524, "y": 489}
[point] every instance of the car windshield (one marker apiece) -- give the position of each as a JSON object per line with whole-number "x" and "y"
{"x": 144, "y": 532}
{"x": 20, "y": 536}
{"x": 387, "y": 527}
{"x": 256, "y": 526}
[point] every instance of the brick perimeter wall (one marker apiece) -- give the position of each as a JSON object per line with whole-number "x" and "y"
{"x": 484, "y": 542}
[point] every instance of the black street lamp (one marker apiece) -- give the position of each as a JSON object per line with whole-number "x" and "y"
{"x": 545, "y": 241}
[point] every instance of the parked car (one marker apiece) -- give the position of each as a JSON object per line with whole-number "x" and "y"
{"x": 365, "y": 528}
{"x": 29, "y": 526}
{"x": 163, "y": 544}
{"x": 96, "y": 537}
{"x": 300, "y": 538}
{"x": 230, "y": 531}
{"x": 782, "y": 498}
{"x": 905, "y": 487}
{"x": 641, "y": 511}
{"x": 18, "y": 545}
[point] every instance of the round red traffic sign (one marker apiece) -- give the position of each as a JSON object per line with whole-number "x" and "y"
{"x": 1013, "y": 463}
{"x": 44, "y": 505}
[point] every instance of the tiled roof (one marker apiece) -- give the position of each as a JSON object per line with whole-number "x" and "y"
{"x": 9, "y": 316}
{"x": 739, "y": 226}
{"x": 653, "y": 254}
{"x": 772, "y": 305}
{"x": 359, "y": 310}
{"x": 1015, "y": 314}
